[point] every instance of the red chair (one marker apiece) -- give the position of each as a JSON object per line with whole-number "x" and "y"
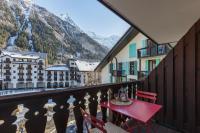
{"x": 100, "y": 126}
{"x": 131, "y": 124}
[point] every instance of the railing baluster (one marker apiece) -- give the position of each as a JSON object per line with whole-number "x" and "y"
{"x": 35, "y": 101}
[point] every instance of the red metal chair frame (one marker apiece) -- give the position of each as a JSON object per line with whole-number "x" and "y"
{"x": 146, "y": 95}
{"x": 93, "y": 121}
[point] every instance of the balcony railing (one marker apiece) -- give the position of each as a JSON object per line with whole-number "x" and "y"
{"x": 21, "y": 68}
{"x": 157, "y": 50}
{"x": 7, "y": 67}
{"x": 40, "y": 68}
{"x": 28, "y": 79}
{"x": 119, "y": 73}
{"x": 21, "y": 79}
{"x": 38, "y": 109}
{"x": 7, "y": 79}
{"x": 7, "y": 61}
{"x": 29, "y": 68}
{"x": 20, "y": 73}
{"x": 7, "y": 73}
{"x": 40, "y": 74}
{"x": 40, "y": 79}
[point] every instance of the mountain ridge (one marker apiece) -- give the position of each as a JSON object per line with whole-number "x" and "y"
{"x": 31, "y": 27}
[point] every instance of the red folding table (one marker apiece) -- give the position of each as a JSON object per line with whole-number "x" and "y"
{"x": 139, "y": 110}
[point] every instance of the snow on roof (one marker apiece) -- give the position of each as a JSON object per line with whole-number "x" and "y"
{"x": 20, "y": 55}
{"x": 86, "y": 66}
{"x": 57, "y": 68}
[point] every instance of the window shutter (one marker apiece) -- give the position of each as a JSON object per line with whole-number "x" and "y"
{"x": 157, "y": 62}
{"x": 132, "y": 50}
{"x": 147, "y": 65}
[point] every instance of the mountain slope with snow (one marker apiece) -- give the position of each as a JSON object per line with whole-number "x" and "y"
{"x": 25, "y": 26}
{"x": 109, "y": 41}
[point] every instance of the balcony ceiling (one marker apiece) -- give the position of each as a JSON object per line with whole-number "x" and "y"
{"x": 161, "y": 20}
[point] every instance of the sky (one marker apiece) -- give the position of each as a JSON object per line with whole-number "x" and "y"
{"x": 89, "y": 15}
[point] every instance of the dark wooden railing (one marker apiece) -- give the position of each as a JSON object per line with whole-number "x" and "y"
{"x": 157, "y": 50}
{"x": 177, "y": 81}
{"x": 34, "y": 110}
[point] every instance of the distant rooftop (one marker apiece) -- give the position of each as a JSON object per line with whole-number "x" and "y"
{"x": 86, "y": 66}
{"x": 20, "y": 55}
{"x": 57, "y": 68}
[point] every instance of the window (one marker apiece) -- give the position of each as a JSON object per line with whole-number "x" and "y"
{"x": 120, "y": 66}
{"x": 13, "y": 71}
{"x": 111, "y": 68}
{"x": 132, "y": 50}
{"x": 133, "y": 68}
{"x": 152, "y": 65}
{"x": 14, "y": 77}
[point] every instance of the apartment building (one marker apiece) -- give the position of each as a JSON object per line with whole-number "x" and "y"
{"x": 57, "y": 76}
{"x": 22, "y": 70}
{"x": 74, "y": 74}
{"x": 133, "y": 54}
{"x": 87, "y": 74}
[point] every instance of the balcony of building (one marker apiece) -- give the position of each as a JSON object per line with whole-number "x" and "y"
{"x": 29, "y": 67}
{"x": 20, "y": 68}
{"x": 21, "y": 79}
{"x": 40, "y": 74}
{"x": 7, "y": 67}
{"x": 153, "y": 50}
{"x": 7, "y": 73}
{"x": 7, "y": 60}
{"x": 41, "y": 79}
{"x": 40, "y": 67}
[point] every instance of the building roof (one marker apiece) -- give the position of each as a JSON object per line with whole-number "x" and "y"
{"x": 162, "y": 21}
{"x": 19, "y": 55}
{"x": 57, "y": 68}
{"x": 85, "y": 66}
{"x": 125, "y": 39}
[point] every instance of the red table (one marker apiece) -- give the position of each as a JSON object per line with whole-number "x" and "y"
{"x": 138, "y": 110}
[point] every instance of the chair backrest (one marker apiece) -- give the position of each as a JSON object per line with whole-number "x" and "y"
{"x": 93, "y": 121}
{"x": 146, "y": 95}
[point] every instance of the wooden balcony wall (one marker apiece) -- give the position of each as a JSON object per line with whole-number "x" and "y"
{"x": 177, "y": 82}
{"x": 35, "y": 102}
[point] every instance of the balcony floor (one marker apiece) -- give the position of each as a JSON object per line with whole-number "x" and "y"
{"x": 158, "y": 129}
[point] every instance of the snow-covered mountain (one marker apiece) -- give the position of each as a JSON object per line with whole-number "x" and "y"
{"x": 109, "y": 41}
{"x": 25, "y": 26}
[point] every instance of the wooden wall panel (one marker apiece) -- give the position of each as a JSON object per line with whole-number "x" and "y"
{"x": 198, "y": 74}
{"x": 160, "y": 88}
{"x": 177, "y": 81}
{"x": 169, "y": 87}
{"x": 178, "y": 84}
{"x": 189, "y": 81}
{"x": 152, "y": 85}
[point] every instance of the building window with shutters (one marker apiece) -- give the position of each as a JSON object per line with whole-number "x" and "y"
{"x": 133, "y": 68}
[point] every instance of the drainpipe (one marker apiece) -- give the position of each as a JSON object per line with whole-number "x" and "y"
{"x": 117, "y": 79}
